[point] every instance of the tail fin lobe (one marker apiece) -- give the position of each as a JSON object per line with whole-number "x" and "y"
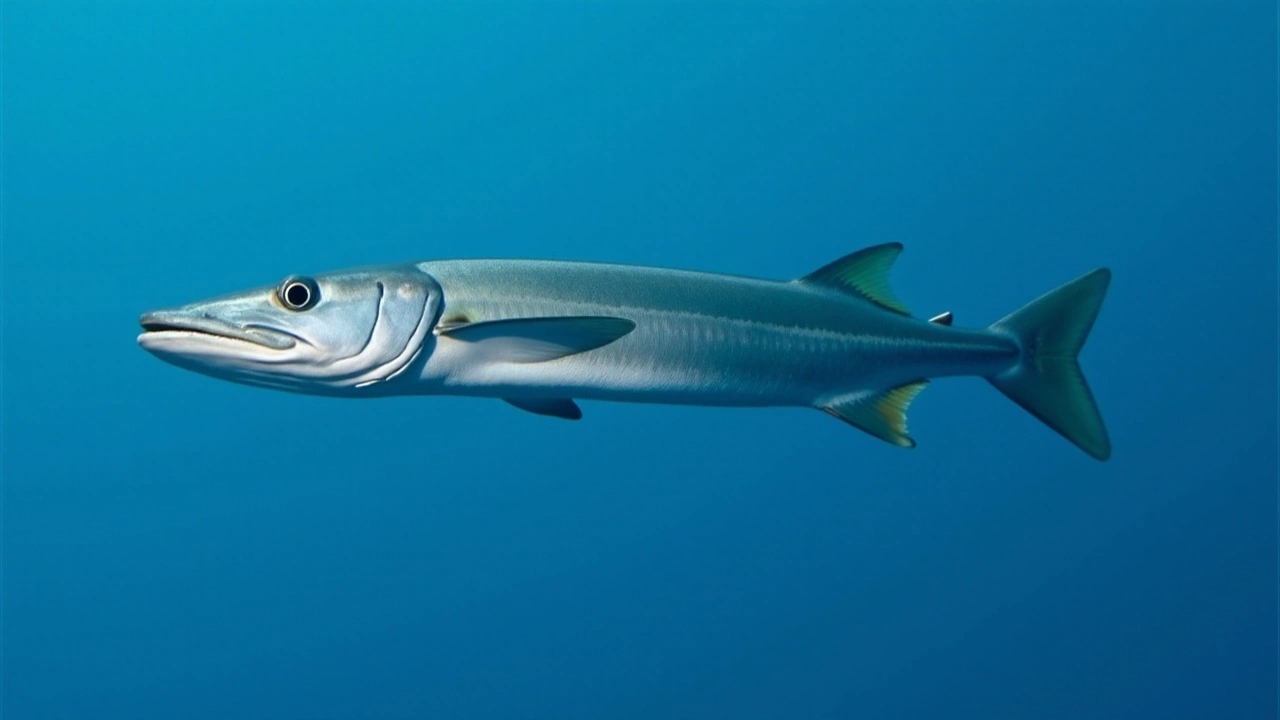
{"x": 1048, "y": 382}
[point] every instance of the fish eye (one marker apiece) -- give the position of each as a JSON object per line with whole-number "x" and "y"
{"x": 298, "y": 293}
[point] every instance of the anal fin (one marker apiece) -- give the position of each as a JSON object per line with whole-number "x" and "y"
{"x": 555, "y": 407}
{"x": 881, "y": 414}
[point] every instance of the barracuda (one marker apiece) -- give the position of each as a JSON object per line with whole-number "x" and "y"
{"x": 542, "y": 334}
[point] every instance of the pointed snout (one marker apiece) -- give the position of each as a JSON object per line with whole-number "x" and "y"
{"x": 194, "y": 322}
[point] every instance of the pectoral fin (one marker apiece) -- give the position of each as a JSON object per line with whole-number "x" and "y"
{"x": 555, "y": 407}
{"x": 882, "y": 414}
{"x": 529, "y": 340}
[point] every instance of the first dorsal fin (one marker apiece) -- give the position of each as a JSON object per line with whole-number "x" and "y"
{"x": 882, "y": 414}
{"x": 864, "y": 274}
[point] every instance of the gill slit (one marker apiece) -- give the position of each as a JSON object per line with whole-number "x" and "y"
{"x": 418, "y": 336}
{"x": 377, "y": 317}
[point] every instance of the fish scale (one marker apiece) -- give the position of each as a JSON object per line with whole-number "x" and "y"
{"x": 543, "y": 334}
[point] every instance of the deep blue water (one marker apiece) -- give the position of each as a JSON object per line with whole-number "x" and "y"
{"x": 179, "y": 547}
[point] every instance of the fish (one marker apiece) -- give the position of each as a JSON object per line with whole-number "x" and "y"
{"x": 543, "y": 335}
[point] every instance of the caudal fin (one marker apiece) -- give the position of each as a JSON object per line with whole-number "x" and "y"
{"x": 1047, "y": 382}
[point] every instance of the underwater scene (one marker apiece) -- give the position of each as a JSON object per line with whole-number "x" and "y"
{"x": 638, "y": 359}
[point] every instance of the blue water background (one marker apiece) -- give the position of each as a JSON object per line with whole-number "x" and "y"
{"x": 179, "y": 547}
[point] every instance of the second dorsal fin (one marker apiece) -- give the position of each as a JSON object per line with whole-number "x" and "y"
{"x": 863, "y": 274}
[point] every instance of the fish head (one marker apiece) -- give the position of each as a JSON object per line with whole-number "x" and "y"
{"x": 342, "y": 333}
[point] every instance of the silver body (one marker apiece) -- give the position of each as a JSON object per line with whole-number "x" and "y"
{"x": 700, "y": 338}
{"x": 542, "y": 334}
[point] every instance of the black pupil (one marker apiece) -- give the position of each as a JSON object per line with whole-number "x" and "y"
{"x": 297, "y": 295}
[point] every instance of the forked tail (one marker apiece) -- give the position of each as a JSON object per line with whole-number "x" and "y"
{"x": 1047, "y": 382}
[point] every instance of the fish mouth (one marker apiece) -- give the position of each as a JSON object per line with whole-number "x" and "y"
{"x": 160, "y": 324}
